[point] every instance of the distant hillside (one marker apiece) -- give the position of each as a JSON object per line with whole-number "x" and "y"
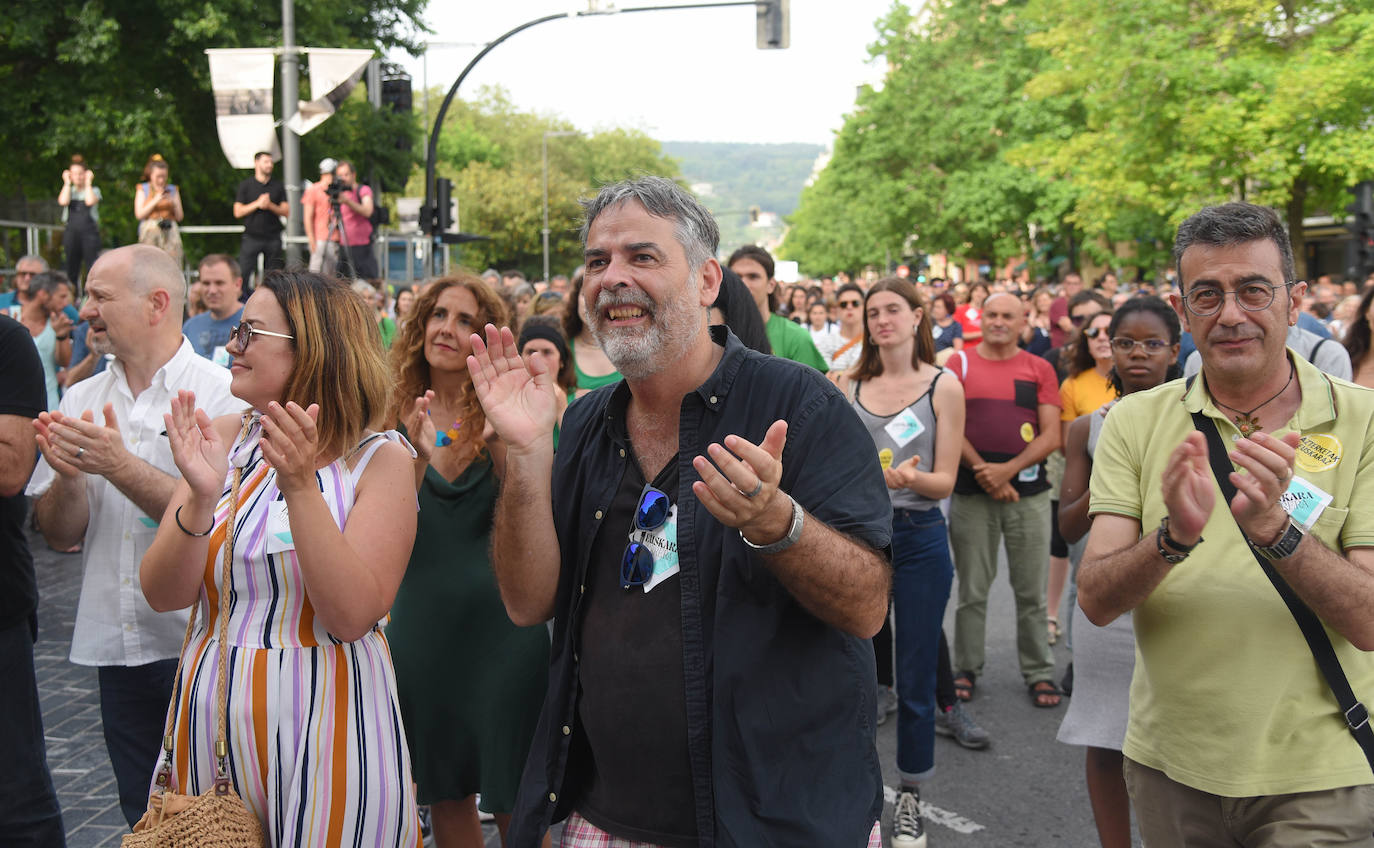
{"x": 741, "y": 176}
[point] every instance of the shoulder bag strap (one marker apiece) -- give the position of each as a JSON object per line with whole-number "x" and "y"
{"x": 1356, "y": 716}
{"x": 164, "y": 772}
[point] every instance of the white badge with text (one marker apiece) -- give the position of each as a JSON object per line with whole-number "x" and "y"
{"x": 279, "y": 528}
{"x": 662, "y": 543}
{"x": 905, "y": 427}
{"x": 1304, "y": 503}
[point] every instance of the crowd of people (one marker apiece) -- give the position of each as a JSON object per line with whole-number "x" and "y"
{"x": 651, "y": 549}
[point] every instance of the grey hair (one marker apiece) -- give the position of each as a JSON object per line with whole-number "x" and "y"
{"x": 695, "y": 228}
{"x": 1231, "y": 224}
{"x": 48, "y": 281}
{"x": 42, "y": 263}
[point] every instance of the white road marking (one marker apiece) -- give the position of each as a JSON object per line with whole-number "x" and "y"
{"x": 932, "y": 813}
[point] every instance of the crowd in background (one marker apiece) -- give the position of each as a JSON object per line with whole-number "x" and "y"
{"x": 405, "y": 351}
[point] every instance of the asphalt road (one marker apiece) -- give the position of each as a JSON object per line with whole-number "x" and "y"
{"x": 1025, "y": 789}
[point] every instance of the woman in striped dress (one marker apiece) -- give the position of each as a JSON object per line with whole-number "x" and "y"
{"x": 322, "y": 531}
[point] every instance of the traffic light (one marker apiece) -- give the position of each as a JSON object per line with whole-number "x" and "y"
{"x": 1361, "y": 227}
{"x": 443, "y": 205}
{"x": 773, "y": 29}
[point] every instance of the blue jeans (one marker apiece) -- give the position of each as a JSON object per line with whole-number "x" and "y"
{"x": 922, "y": 574}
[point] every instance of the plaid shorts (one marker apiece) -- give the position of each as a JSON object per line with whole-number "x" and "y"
{"x": 580, "y": 833}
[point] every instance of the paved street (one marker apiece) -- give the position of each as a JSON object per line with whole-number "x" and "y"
{"x": 1024, "y": 790}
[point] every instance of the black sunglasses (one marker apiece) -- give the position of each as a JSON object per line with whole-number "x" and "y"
{"x": 1093, "y": 332}
{"x": 637, "y": 564}
{"x": 851, "y": 304}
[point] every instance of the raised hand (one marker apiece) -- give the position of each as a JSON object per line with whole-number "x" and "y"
{"x": 1267, "y": 467}
{"x": 199, "y": 452}
{"x": 1187, "y": 488}
{"x": 741, "y": 493}
{"x": 420, "y": 427}
{"x": 79, "y": 445}
{"x": 290, "y": 443}
{"x": 520, "y": 403}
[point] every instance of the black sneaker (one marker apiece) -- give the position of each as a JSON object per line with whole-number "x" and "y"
{"x": 908, "y": 828}
{"x": 959, "y": 725}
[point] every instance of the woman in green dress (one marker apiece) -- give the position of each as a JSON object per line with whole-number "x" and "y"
{"x": 471, "y": 683}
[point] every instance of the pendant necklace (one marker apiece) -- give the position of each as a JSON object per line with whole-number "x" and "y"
{"x": 444, "y": 438}
{"x": 1246, "y": 422}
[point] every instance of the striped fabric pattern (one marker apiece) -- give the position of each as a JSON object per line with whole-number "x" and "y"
{"x": 316, "y": 746}
{"x": 580, "y": 833}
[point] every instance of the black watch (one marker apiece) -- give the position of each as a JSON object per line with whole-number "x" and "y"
{"x": 1171, "y": 549}
{"x": 1286, "y": 546}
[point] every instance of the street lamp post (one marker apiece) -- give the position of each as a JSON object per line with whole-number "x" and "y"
{"x": 545, "y": 231}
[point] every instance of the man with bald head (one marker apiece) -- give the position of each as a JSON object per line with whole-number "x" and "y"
{"x": 103, "y": 482}
{"x": 1002, "y": 492}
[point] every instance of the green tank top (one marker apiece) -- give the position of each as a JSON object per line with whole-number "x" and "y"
{"x": 586, "y": 381}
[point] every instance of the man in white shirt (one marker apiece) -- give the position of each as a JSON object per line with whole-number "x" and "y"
{"x": 107, "y": 484}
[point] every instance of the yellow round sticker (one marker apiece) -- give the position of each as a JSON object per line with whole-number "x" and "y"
{"x": 1027, "y": 433}
{"x": 885, "y": 458}
{"x": 1318, "y": 452}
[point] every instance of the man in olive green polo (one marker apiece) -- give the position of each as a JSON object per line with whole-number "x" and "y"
{"x": 1234, "y": 737}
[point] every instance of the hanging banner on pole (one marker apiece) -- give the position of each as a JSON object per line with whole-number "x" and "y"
{"x": 333, "y": 74}
{"x": 242, "y": 83}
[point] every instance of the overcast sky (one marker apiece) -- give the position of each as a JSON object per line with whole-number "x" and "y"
{"x": 691, "y": 75}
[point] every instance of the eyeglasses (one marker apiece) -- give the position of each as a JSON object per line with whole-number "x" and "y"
{"x": 243, "y": 333}
{"x": 1252, "y": 297}
{"x": 1094, "y": 332}
{"x": 1121, "y": 344}
{"x": 637, "y": 565}
{"x": 851, "y": 304}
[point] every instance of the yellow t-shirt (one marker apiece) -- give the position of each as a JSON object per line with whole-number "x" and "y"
{"x": 1084, "y": 392}
{"x": 1226, "y": 697}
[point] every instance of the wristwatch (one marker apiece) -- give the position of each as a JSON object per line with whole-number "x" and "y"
{"x": 793, "y": 533}
{"x": 1286, "y": 546}
{"x": 1172, "y": 550}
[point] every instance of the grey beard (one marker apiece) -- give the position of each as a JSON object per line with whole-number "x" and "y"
{"x": 644, "y": 353}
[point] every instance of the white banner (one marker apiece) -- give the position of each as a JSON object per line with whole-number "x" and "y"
{"x": 242, "y": 83}
{"x": 333, "y": 74}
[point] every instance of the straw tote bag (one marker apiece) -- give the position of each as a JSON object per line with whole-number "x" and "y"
{"x": 218, "y": 817}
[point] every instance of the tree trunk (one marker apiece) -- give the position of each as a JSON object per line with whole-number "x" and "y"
{"x": 1297, "y": 201}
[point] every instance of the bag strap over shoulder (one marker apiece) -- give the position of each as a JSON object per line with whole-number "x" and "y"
{"x": 164, "y": 772}
{"x": 1356, "y": 715}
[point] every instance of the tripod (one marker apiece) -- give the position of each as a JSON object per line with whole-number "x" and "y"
{"x": 343, "y": 262}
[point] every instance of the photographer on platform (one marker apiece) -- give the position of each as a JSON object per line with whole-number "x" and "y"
{"x": 356, "y": 204}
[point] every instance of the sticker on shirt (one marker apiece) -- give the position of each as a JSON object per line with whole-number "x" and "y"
{"x": 220, "y": 356}
{"x": 278, "y": 528}
{"x": 1029, "y": 475}
{"x": 885, "y": 458}
{"x": 1027, "y": 433}
{"x": 1304, "y": 502}
{"x": 905, "y": 427}
{"x": 1318, "y": 452}
{"x": 661, "y": 542}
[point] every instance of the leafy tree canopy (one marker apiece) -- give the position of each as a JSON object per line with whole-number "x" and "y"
{"x": 493, "y": 153}
{"x": 119, "y": 80}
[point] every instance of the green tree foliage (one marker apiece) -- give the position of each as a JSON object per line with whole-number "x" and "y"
{"x": 924, "y": 156}
{"x": 1187, "y": 104}
{"x": 493, "y": 153}
{"x": 119, "y": 80}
